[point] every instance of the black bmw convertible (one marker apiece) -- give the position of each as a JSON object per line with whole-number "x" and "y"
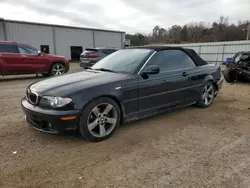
{"x": 127, "y": 85}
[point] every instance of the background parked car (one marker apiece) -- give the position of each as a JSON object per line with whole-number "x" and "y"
{"x": 91, "y": 55}
{"x": 238, "y": 68}
{"x": 236, "y": 57}
{"x": 18, "y": 58}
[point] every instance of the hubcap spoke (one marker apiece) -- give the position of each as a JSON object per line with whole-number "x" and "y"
{"x": 111, "y": 120}
{"x": 92, "y": 125}
{"x": 204, "y": 95}
{"x": 209, "y": 88}
{"x": 206, "y": 89}
{"x": 102, "y": 130}
{"x": 107, "y": 109}
{"x": 210, "y": 96}
{"x": 206, "y": 100}
{"x": 96, "y": 111}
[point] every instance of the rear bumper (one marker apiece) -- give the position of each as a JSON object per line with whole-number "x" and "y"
{"x": 219, "y": 85}
{"x": 86, "y": 65}
{"x": 49, "y": 121}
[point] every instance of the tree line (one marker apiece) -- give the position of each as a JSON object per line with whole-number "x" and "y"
{"x": 193, "y": 32}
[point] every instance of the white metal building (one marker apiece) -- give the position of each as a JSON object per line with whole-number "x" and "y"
{"x": 57, "y": 39}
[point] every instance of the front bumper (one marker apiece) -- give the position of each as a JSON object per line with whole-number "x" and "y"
{"x": 49, "y": 121}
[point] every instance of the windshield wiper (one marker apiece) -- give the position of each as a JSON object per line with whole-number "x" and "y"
{"x": 103, "y": 69}
{"x": 89, "y": 68}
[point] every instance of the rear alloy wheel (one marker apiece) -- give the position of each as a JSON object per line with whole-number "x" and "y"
{"x": 99, "y": 120}
{"x": 207, "y": 95}
{"x": 57, "y": 69}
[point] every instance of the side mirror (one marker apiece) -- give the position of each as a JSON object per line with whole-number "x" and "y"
{"x": 39, "y": 52}
{"x": 151, "y": 69}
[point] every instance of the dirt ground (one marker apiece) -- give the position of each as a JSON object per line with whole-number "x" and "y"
{"x": 189, "y": 147}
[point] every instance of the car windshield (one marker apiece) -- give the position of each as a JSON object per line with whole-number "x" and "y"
{"x": 123, "y": 61}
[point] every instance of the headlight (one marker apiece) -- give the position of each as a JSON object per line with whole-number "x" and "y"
{"x": 56, "y": 102}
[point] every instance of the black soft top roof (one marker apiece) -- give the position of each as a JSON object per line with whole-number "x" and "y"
{"x": 195, "y": 57}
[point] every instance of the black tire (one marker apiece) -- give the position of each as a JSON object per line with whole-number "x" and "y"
{"x": 204, "y": 103}
{"x": 86, "y": 115}
{"x": 45, "y": 74}
{"x": 54, "y": 70}
{"x": 228, "y": 75}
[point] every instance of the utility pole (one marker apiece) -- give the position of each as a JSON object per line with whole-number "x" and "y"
{"x": 248, "y": 31}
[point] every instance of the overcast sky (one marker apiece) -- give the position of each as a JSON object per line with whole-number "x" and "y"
{"x": 126, "y": 15}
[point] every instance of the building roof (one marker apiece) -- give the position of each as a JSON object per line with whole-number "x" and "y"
{"x": 63, "y": 26}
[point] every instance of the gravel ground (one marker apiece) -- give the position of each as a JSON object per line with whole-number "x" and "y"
{"x": 190, "y": 147}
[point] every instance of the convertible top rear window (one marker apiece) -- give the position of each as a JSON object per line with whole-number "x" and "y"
{"x": 195, "y": 57}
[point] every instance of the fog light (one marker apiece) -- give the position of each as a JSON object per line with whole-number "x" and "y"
{"x": 68, "y": 118}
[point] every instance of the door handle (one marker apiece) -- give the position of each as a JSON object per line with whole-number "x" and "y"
{"x": 184, "y": 74}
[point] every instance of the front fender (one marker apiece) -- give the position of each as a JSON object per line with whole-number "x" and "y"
{"x": 83, "y": 98}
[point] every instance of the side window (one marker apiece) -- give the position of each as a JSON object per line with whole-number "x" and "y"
{"x": 112, "y": 51}
{"x": 105, "y": 52}
{"x": 7, "y": 48}
{"x": 27, "y": 50}
{"x": 22, "y": 50}
{"x": 169, "y": 60}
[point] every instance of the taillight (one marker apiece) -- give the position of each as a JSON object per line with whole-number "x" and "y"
{"x": 93, "y": 55}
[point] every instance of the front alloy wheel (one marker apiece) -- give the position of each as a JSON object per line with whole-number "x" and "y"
{"x": 102, "y": 120}
{"x": 99, "y": 119}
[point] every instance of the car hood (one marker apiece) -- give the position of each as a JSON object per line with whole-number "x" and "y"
{"x": 69, "y": 83}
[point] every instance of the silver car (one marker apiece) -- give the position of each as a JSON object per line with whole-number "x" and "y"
{"x": 91, "y": 55}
